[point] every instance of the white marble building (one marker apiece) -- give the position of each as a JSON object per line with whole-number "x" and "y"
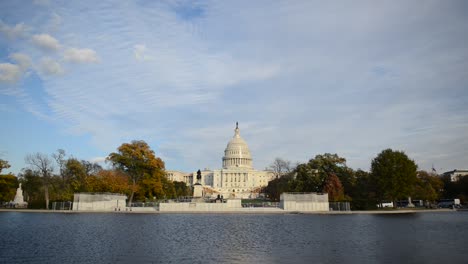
{"x": 455, "y": 175}
{"x": 237, "y": 178}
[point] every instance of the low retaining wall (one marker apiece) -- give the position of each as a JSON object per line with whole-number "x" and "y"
{"x": 304, "y": 202}
{"x": 99, "y": 202}
{"x": 230, "y": 205}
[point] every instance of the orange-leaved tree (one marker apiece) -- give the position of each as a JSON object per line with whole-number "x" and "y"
{"x": 136, "y": 159}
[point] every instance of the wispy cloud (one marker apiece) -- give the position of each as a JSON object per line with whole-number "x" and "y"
{"x": 49, "y": 66}
{"x": 80, "y": 55}
{"x": 352, "y": 79}
{"x": 9, "y": 73}
{"x": 12, "y": 32}
{"x": 22, "y": 60}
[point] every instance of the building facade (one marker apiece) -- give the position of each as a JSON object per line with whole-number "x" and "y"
{"x": 455, "y": 175}
{"x": 236, "y": 179}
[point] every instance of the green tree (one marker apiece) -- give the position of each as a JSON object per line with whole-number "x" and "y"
{"x": 307, "y": 179}
{"x": 428, "y": 187}
{"x": 137, "y": 160}
{"x": 8, "y": 186}
{"x": 311, "y": 176}
{"x": 4, "y": 165}
{"x": 363, "y": 194}
{"x": 181, "y": 189}
{"x": 276, "y": 187}
{"x": 393, "y": 174}
{"x": 33, "y": 188}
{"x": 75, "y": 175}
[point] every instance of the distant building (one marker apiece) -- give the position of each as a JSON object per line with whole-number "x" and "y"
{"x": 455, "y": 175}
{"x": 237, "y": 178}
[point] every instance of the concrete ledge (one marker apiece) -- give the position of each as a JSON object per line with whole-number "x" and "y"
{"x": 236, "y": 211}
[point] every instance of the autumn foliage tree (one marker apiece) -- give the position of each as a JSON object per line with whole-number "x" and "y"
{"x": 138, "y": 161}
{"x": 113, "y": 181}
{"x": 334, "y": 188}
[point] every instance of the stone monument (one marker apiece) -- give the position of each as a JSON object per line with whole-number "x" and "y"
{"x": 197, "y": 187}
{"x": 19, "y": 202}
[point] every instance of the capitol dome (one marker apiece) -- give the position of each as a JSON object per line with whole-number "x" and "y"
{"x": 237, "y": 153}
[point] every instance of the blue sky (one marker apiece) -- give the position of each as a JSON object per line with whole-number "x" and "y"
{"x": 301, "y": 77}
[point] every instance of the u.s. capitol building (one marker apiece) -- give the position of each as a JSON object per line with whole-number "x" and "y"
{"x": 237, "y": 178}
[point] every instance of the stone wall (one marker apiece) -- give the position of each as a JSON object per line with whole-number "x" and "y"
{"x": 99, "y": 202}
{"x": 304, "y": 202}
{"x": 230, "y": 205}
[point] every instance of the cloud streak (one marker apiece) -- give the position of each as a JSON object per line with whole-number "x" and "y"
{"x": 352, "y": 79}
{"x": 80, "y": 55}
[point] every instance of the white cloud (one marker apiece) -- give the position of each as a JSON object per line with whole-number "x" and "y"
{"x": 81, "y": 55}
{"x": 9, "y": 73}
{"x": 98, "y": 159}
{"x": 49, "y": 66}
{"x": 141, "y": 53}
{"x": 327, "y": 78}
{"x": 46, "y": 42}
{"x": 22, "y": 60}
{"x": 19, "y": 30}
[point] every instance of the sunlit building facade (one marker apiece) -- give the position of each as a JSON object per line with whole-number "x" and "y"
{"x": 237, "y": 178}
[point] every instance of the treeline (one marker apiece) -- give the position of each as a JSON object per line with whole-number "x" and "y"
{"x": 136, "y": 172}
{"x": 393, "y": 177}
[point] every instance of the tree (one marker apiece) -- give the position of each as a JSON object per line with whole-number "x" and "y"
{"x": 428, "y": 186}
{"x": 136, "y": 159}
{"x": 33, "y": 188}
{"x": 307, "y": 179}
{"x": 59, "y": 157}
{"x": 280, "y": 167}
{"x": 393, "y": 174}
{"x": 113, "y": 181}
{"x": 8, "y": 185}
{"x": 44, "y": 165}
{"x": 75, "y": 174}
{"x": 363, "y": 193}
{"x": 181, "y": 189}
{"x": 4, "y": 165}
{"x": 91, "y": 168}
{"x": 276, "y": 187}
{"x": 334, "y": 188}
{"x": 311, "y": 176}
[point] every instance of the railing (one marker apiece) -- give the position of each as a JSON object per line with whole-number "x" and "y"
{"x": 145, "y": 204}
{"x": 62, "y": 205}
{"x": 339, "y": 206}
{"x": 263, "y": 204}
{"x": 319, "y": 193}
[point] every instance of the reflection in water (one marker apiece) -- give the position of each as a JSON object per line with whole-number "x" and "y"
{"x": 231, "y": 238}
